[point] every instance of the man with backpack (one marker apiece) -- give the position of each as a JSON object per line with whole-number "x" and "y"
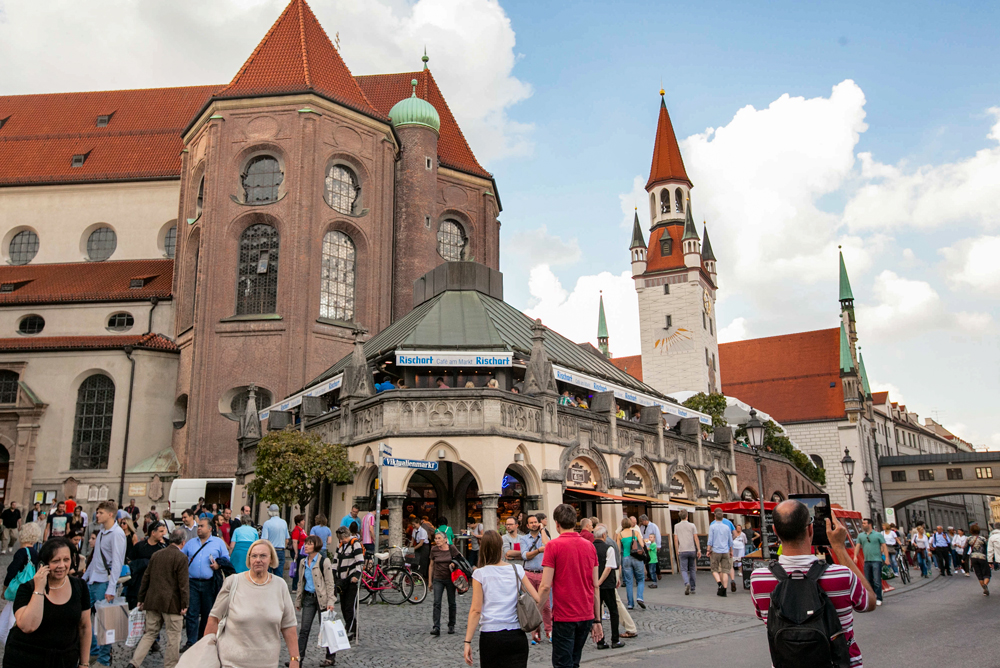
{"x": 799, "y": 597}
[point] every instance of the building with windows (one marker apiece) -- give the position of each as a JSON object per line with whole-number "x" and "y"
{"x": 166, "y": 247}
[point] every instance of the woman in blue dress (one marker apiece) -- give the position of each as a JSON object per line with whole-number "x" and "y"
{"x": 243, "y": 538}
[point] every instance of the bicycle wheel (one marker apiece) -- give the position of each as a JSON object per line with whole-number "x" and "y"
{"x": 397, "y": 587}
{"x": 419, "y": 588}
{"x": 366, "y": 595}
{"x": 904, "y": 571}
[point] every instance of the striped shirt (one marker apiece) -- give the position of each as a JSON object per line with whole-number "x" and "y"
{"x": 350, "y": 560}
{"x": 841, "y": 585}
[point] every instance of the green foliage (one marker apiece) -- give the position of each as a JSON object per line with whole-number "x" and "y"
{"x": 710, "y": 404}
{"x": 778, "y": 443}
{"x": 291, "y": 465}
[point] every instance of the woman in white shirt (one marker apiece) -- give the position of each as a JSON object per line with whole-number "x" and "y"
{"x": 502, "y": 643}
{"x": 921, "y": 543}
{"x": 891, "y": 546}
{"x": 739, "y": 548}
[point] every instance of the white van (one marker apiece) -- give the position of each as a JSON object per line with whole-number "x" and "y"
{"x": 185, "y": 492}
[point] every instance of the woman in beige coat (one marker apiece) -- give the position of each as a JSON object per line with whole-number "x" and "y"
{"x": 318, "y": 592}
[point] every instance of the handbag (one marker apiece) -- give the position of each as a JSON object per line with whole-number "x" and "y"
{"x": 642, "y": 554}
{"x": 205, "y": 652}
{"x": 460, "y": 581}
{"x": 27, "y": 573}
{"x": 528, "y": 615}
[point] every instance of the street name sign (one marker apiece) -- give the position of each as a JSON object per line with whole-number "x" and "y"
{"x": 410, "y": 463}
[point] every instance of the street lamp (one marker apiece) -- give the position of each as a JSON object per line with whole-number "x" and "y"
{"x": 869, "y": 486}
{"x": 848, "y": 463}
{"x": 755, "y": 436}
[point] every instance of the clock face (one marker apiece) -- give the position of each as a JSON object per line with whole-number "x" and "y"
{"x": 707, "y": 300}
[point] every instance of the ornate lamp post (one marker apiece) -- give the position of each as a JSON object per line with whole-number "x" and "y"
{"x": 755, "y": 436}
{"x": 869, "y": 486}
{"x": 848, "y": 463}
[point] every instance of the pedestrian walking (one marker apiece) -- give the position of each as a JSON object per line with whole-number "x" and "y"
{"x": 532, "y": 553}
{"x": 77, "y": 522}
{"x": 30, "y": 534}
{"x": 105, "y": 567}
{"x": 350, "y": 560}
{"x": 475, "y": 532}
{"x": 189, "y": 524}
{"x": 318, "y": 592}
{"x": 275, "y": 530}
{"x": 351, "y": 517}
{"x": 52, "y": 613}
{"x": 570, "y": 575}
{"x": 163, "y": 595}
{"x": 512, "y": 542}
{"x": 958, "y": 553}
{"x": 941, "y": 544}
{"x": 243, "y": 537}
{"x": 140, "y": 555}
{"x": 442, "y": 555}
{"x": 57, "y": 525}
{"x": 324, "y": 532}
{"x": 587, "y": 529}
{"x": 299, "y": 536}
{"x": 442, "y": 526}
{"x": 11, "y": 520}
{"x": 629, "y": 542}
{"x": 978, "y": 558}
{"x": 891, "y": 545}
{"x": 607, "y": 582}
{"x": 495, "y": 589}
{"x": 259, "y": 613}
{"x": 202, "y": 553}
{"x": 651, "y": 535}
{"x": 872, "y": 543}
{"x": 844, "y": 585}
{"x": 369, "y": 534}
{"x": 720, "y": 550}
{"x": 993, "y": 545}
{"x": 739, "y": 549}
{"x": 688, "y": 550}
{"x": 921, "y": 543}
{"x": 421, "y": 546}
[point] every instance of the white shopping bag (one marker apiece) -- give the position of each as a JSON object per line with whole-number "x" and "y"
{"x": 136, "y": 627}
{"x": 7, "y": 621}
{"x": 333, "y": 636}
{"x": 324, "y": 617}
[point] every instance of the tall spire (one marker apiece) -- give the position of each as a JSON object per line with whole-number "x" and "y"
{"x": 864, "y": 377}
{"x": 846, "y": 294}
{"x": 667, "y": 162}
{"x": 846, "y": 360}
{"x": 690, "y": 231}
{"x": 425, "y": 58}
{"x": 638, "y": 238}
{"x": 706, "y": 246}
{"x": 602, "y": 329}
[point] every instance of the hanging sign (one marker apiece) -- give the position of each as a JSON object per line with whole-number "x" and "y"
{"x": 296, "y": 399}
{"x": 445, "y": 359}
{"x": 579, "y": 475}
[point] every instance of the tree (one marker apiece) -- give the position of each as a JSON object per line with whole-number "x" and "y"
{"x": 775, "y": 441}
{"x": 291, "y": 465}
{"x": 710, "y": 404}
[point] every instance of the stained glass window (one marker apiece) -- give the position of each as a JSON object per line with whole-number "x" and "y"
{"x": 336, "y": 299}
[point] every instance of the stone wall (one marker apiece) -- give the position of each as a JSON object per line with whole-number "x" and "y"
{"x": 779, "y": 475}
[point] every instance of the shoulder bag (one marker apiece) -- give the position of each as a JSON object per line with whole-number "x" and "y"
{"x": 205, "y": 652}
{"x": 638, "y": 549}
{"x": 26, "y": 574}
{"x": 528, "y": 615}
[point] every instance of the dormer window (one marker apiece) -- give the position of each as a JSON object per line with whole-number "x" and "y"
{"x": 666, "y": 247}
{"x": 103, "y": 120}
{"x": 3, "y": 121}
{"x": 78, "y": 160}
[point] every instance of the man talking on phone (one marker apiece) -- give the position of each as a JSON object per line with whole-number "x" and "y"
{"x": 201, "y": 553}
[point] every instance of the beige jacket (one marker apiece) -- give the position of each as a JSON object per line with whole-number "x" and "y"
{"x": 326, "y": 588}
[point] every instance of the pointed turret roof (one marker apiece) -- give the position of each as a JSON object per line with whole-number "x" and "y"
{"x": 846, "y": 361}
{"x": 602, "y": 322}
{"x": 296, "y": 56}
{"x": 667, "y": 162}
{"x": 864, "y": 377}
{"x": 638, "y": 238}
{"x": 845, "y": 284}
{"x": 706, "y": 247}
{"x": 690, "y": 231}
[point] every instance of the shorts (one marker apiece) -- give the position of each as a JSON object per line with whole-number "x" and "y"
{"x": 721, "y": 562}
{"x": 981, "y": 568}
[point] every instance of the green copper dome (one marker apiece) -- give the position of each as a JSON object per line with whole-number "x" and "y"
{"x": 415, "y": 111}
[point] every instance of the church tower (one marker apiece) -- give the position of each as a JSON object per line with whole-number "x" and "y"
{"x": 675, "y": 278}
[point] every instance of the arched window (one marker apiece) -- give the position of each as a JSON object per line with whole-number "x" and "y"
{"x": 451, "y": 241}
{"x": 817, "y": 461}
{"x": 261, "y": 178}
{"x": 95, "y": 406}
{"x": 257, "y": 285}
{"x": 342, "y": 188}
{"x": 336, "y": 296}
{"x": 8, "y": 387}
{"x": 101, "y": 244}
{"x": 121, "y": 322}
{"x": 678, "y": 201}
{"x": 664, "y": 201}
{"x": 200, "y": 202}
{"x": 170, "y": 242}
{"x": 23, "y": 247}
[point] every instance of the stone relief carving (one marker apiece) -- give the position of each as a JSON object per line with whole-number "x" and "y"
{"x": 567, "y": 427}
{"x": 601, "y": 434}
{"x": 649, "y": 445}
{"x": 329, "y": 431}
{"x": 441, "y": 414}
{"x": 520, "y": 418}
{"x": 368, "y": 420}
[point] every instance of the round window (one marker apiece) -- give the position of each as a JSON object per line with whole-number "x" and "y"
{"x": 23, "y": 247}
{"x": 121, "y": 322}
{"x": 101, "y": 244}
{"x": 31, "y": 324}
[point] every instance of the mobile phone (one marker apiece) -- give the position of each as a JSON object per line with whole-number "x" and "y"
{"x": 819, "y": 512}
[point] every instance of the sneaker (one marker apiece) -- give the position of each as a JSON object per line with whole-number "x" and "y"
{"x": 986, "y": 590}
{"x": 641, "y": 604}
{"x": 733, "y": 585}
{"x": 687, "y": 589}
{"x": 721, "y": 591}
{"x": 652, "y": 586}
{"x": 878, "y": 602}
{"x": 451, "y": 630}
{"x": 603, "y": 645}
{"x": 605, "y": 615}
{"x": 617, "y": 645}
{"x": 435, "y": 632}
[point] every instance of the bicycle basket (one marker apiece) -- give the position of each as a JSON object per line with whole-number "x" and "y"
{"x": 396, "y": 559}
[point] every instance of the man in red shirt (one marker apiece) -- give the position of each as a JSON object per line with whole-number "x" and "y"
{"x": 569, "y": 571}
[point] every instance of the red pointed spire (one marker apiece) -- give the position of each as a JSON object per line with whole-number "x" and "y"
{"x": 296, "y": 56}
{"x": 667, "y": 162}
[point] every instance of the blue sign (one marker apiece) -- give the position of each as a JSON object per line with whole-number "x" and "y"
{"x": 451, "y": 358}
{"x": 410, "y": 463}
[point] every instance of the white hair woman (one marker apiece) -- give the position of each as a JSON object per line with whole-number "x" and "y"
{"x": 261, "y": 610}
{"x": 30, "y": 535}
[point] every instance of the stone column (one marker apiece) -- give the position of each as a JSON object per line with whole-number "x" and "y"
{"x": 490, "y": 510}
{"x": 395, "y": 505}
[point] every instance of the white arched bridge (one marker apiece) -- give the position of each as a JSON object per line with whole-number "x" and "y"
{"x": 910, "y": 478}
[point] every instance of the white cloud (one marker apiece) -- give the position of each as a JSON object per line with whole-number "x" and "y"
{"x": 534, "y": 247}
{"x": 895, "y": 394}
{"x": 630, "y": 202}
{"x": 973, "y": 263}
{"x": 122, "y": 44}
{"x": 734, "y": 331}
{"x": 574, "y": 314}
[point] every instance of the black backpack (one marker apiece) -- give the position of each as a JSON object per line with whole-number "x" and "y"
{"x": 803, "y": 628}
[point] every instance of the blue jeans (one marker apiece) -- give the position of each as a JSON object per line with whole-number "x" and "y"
{"x": 280, "y": 570}
{"x": 202, "y": 594}
{"x": 923, "y": 562}
{"x": 873, "y": 573}
{"x": 568, "y": 639}
{"x": 634, "y": 571}
{"x": 103, "y": 653}
{"x": 651, "y": 572}
{"x": 892, "y": 559}
{"x": 689, "y": 564}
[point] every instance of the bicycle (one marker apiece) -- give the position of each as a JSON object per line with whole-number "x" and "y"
{"x": 904, "y": 567}
{"x": 419, "y": 585}
{"x": 393, "y": 585}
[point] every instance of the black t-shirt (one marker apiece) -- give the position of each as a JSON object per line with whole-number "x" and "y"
{"x": 57, "y": 632}
{"x": 143, "y": 550}
{"x": 59, "y": 524}
{"x": 10, "y": 518}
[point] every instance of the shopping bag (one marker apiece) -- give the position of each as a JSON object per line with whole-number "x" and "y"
{"x": 887, "y": 573}
{"x": 136, "y": 627}
{"x": 111, "y": 621}
{"x": 7, "y": 622}
{"x": 334, "y": 636}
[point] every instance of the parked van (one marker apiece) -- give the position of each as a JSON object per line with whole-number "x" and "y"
{"x": 185, "y": 492}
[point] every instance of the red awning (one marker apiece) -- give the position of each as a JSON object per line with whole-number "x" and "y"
{"x": 741, "y": 507}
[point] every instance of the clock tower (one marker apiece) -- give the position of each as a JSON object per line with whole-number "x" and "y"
{"x": 675, "y": 278}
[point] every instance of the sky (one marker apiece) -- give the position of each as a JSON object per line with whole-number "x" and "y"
{"x": 803, "y": 126}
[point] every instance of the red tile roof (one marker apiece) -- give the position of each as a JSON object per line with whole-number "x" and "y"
{"x": 656, "y": 262}
{"x": 879, "y": 398}
{"x": 296, "y": 56}
{"x": 385, "y": 90}
{"x": 667, "y": 162}
{"x": 632, "y": 365}
{"x": 53, "y": 343}
{"x": 86, "y": 281}
{"x": 142, "y": 141}
{"x": 794, "y": 377}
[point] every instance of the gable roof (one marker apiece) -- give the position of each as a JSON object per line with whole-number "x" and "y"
{"x": 632, "y": 365}
{"x": 296, "y": 56}
{"x": 794, "y": 377}
{"x": 879, "y": 398}
{"x": 106, "y": 281}
{"x": 142, "y": 140}
{"x": 385, "y": 90}
{"x": 667, "y": 162}
{"x": 151, "y": 341}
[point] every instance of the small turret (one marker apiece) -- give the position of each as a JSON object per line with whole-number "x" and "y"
{"x": 691, "y": 241}
{"x": 602, "y": 329}
{"x": 638, "y": 247}
{"x": 707, "y": 256}
{"x": 847, "y": 306}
